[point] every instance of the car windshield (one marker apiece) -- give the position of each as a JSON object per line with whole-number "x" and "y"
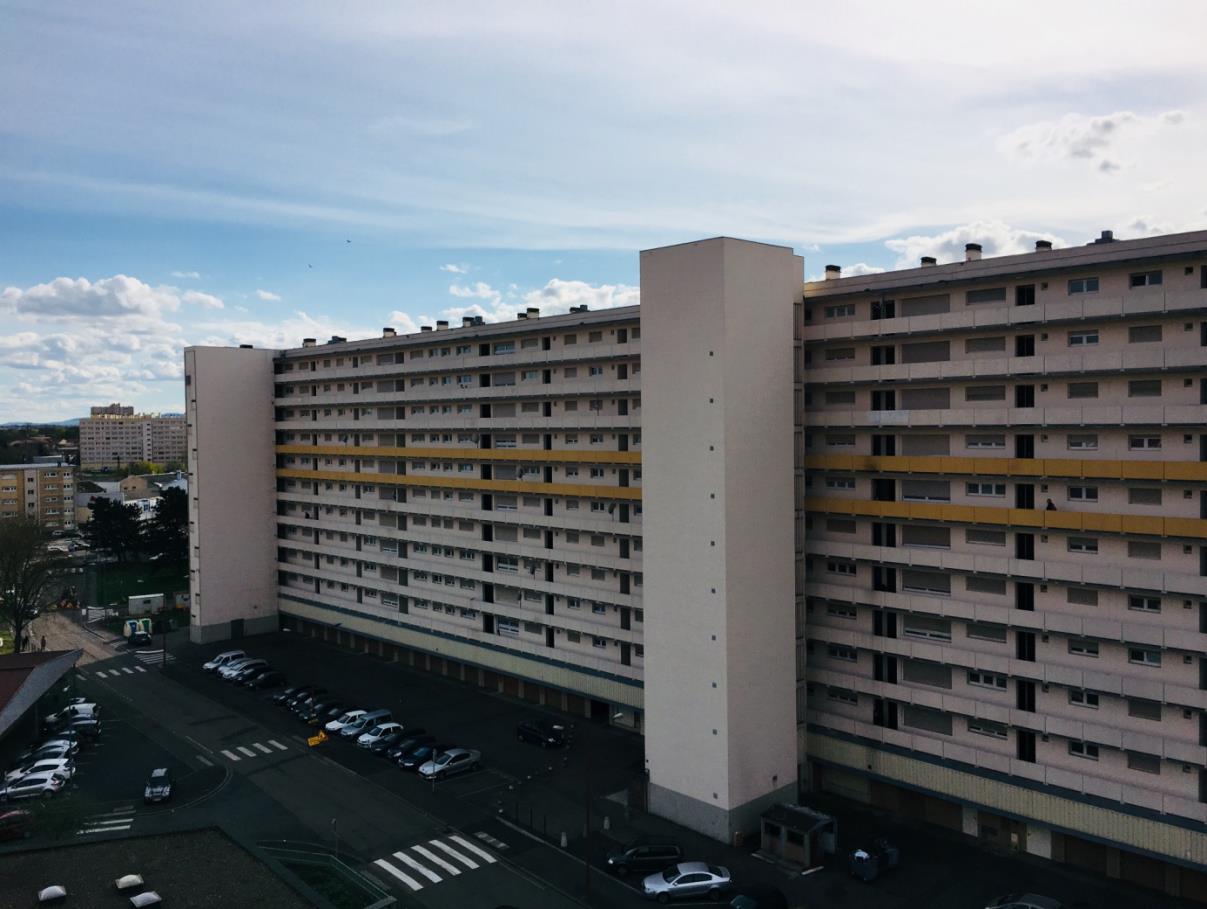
{"x": 444, "y": 759}
{"x": 670, "y": 874}
{"x": 714, "y": 871}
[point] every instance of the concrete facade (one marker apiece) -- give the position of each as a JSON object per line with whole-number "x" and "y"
{"x": 720, "y": 698}
{"x": 232, "y": 502}
{"x": 44, "y": 492}
{"x": 114, "y": 435}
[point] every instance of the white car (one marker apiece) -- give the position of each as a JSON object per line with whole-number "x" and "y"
{"x": 63, "y": 765}
{"x": 231, "y": 669}
{"x": 346, "y": 719}
{"x": 455, "y": 760}
{"x": 35, "y": 785}
{"x": 377, "y": 733}
{"x": 71, "y": 712}
{"x": 50, "y": 749}
{"x": 222, "y": 659}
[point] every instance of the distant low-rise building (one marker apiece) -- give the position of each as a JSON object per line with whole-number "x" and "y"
{"x": 151, "y": 485}
{"x": 114, "y": 435}
{"x": 45, "y": 492}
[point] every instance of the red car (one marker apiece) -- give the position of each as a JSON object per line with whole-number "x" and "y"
{"x": 15, "y": 825}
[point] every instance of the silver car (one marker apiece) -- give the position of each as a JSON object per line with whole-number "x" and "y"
{"x": 455, "y": 760}
{"x": 687, "y": 879}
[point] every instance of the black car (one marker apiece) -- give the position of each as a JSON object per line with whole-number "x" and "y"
{"x": 285, "y": 695}
{"x": 306, "y": 699}
{"x": 541, "y": 732}
{"x": 421, "y": 754}
{"x": 84, "y": 728}
{"x": 411, "y": 740}
{"x": 270, "y": 678}
{"x": 645, "y": 855}
{"x": 139, "y": 639}
{"x": 322, "y": 713}
{"x": 386, "y": 742}
{"x": 241, "y": 677}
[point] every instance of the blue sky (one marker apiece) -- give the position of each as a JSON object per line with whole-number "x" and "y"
{"x": 237, "y": 172}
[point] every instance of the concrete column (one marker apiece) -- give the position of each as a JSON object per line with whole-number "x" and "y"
{"x": 968, "y": 819}
{"x": 1039, "y": 841}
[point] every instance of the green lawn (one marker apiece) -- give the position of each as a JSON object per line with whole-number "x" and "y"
{"x": 116, "y": 583}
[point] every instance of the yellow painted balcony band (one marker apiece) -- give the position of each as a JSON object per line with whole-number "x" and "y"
{"x": 1081, "y": 521}
{"x": 1184, "y": 471}
{"x": 466, "y": 454}
{"x": 627, "y": 493}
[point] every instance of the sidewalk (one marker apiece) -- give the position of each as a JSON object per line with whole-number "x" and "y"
{"x": 64, "y": 631}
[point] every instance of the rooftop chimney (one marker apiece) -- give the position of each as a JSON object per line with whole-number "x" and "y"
{"x": 533, "y": 312}
{"x": 336, "y": 339}
{"x": 245, "y": 347}
{"x": 521, "y": 315}
{"x": 466, "y": 321}
{"x": 308, "y": 342}
{"x": 833, "y": 271}
{"x": 928, "y": 261}
{"x": 1043, "y": 245}
{"x": 972, "y": 252}
{"x": 441, "y": 324}
{"x": 388, "y": 332}
{"x": 1108, "y": 236}
{"x": 425, "y": 328}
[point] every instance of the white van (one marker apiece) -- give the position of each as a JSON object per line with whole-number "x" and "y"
{"x": 364, "y": 723}
{"x": 340, "y": 722}
{"x": 222, "y": 659}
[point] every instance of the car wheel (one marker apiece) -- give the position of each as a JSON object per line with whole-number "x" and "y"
{"x": 664, "y": 898}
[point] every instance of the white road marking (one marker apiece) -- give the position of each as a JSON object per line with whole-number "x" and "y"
{"x": 127, "y": 670}
{"x": 455, "y": 854}
{"x": 430, "y": 875}
{"x": 243, "y": 749}
{"x": 437, "y": 860}
{"x": 405, "y": 878}
{"x": 232, "y": 755}
{"x": 277, "y": 745}
{"x": 140, "y": 669}
{"x": 204, "y": 761}
{"x": 263, "y": 748}
{"x": 88, "y": 830}
{"x": 476, "y": 850}
{"x": 100, "y": 675}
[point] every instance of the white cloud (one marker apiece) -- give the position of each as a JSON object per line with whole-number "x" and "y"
{"x": 1099, "y": 140}
{"x": 996, "y": 239}
{"x": 861, "y": 268}
{"x": 557, "y": 296}
{"x": 186, "y": 274}
{"x": 205, "y": 301}
{"x": 455, "y": 269}
{"x": 480, "y": 290}
{"x": 268, "y": 296}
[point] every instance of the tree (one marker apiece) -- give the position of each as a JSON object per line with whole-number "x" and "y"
{"x": 167, "y": 533}
{"x": 114, "y": 528}
{"x": 28, "y": 570}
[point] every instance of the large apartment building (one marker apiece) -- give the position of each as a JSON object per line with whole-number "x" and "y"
{"x": 934, "y": 538}
{"x": 114, "y": 435}
{"x": 44, "y": 492}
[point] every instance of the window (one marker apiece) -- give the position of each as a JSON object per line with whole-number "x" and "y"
{"x": 596, "y": 438}
{"x": 1083, "y": 493}
{"x": 987, "y": 727}
{"x": 1083, "y": 544}
{"x": 985, "y": 345}
{"x": 840, "y": 482}
{"x": 842, "y": 695}
{"x": 841, "y": 610}
{"x": 840, "y": 312}
{"x": 1138, "y": 550}
{"x": 570, "y": 339}
{"x": 926, "y": 490}
{"x": 1144, "y": 443}
{"x": 1083, "y": 286}
{"x": 984, "y": 679}
{"x": 1145, "y": 763}
{"x": 983, "y": 631}
{"x": 928, "y": 627}
{"x": 1079, "y": 697}
{"x": 985, "y": 537}
{"x": 926, "y": 536}
{"x": 840, "y": 397}
{"x": 985, "y": 441}
{"x": 595, "y": 370}
{"x": 1144, "y": 709}
{"x": 988, "y": 295}
{"x": 1144, "y": 388}
{"x": 1142, "y": 334}
{"x": 1084, "y": 750}
{"x": 1083, "y": 389}
{"x": 1082, "y": 596}
{"x": 1083, "y": 442}
{"x": 1144, "y": 656}
{"x": 1144, "y": 496}
{"x": 1083, "y": 338}
{"x": 594, "y": 337}
{"x": 840, "y": 525}
{"x": 840, "y": 353}
{"x": 836, "y": 567}
{"x": 985, "y": 393}
{"x": 840, "y": 440}
{"x": 927, "y": 582}
{"x": 979, "y": 584}
{"x": 842, "y": 652}
{"x": 985, "y": 489}
{"x": 1081, "y": 647}
{"x": 1144, "y": 279}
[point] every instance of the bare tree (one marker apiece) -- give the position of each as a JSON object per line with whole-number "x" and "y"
{"x": 28, "y": 569}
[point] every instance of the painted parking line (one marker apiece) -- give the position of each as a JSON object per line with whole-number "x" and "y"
{"x": 476, "y": 850}
{"x": 243, "y": 749}
{"x": 445, "y": 847}
{"x": 264, "y": 748}
{"x": 277, "y": 745}
{"x": 231, "y": 755}
{"x": 405, "y": 878}
{"x": 204, "y": 761}
{"x": 422, "y": 869}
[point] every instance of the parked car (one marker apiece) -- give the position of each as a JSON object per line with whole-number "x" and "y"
{"x": 285, "y": 695}
{"x": 269, "y": 678}
{"x": 85, "y": 728}
{"x": 16, "y": 824}
{"x": 305, "y": 701}
{"x": 320, "y": 713}
{"x": 138, "y": 639}
{"x": 246, "y": 671}
{"x": 868, "y": 864}
{"x": 421, "y": 754}
{"x": 364, "y": 722}
{"x": 71, "y": 712}
{"x": 759, "y": 896}
{"x": 372, "y": 736}
{"x": 159, "y": 786}
{"x": 234, "y": 665}
{"x": 63, "y": 765}
{"x": 687, "y": 879}
{"x": 36, "y": 785}
{"x": 644, "y": 855}
{"x": 545, "y": 733}
{"x": 411, "y": 739}
{"x": 1025, "y": 901}
{"x": 52, "y": 748}
{"x": 386, "y": 742}
{"x": 348, "y": 716}
{"x": 451, "y": 762}
{"x": 228, "y": 656}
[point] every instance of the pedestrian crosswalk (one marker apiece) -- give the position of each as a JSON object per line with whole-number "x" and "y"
{"x": 424, "y": 864}
{"x": 153, "y": 657}
{"x": 117, "y": 820}
{"x": 238, "y": 753}
{"x": 118, "y": 672}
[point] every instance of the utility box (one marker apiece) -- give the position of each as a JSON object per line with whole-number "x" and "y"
{"x": 134, "y": 625}
{"x": 148, "y": 604}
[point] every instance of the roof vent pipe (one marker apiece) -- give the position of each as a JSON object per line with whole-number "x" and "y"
{"x": 833, "y": 271}
{"x": 1108, "y": 236}
{"x": 388, "y": 332}
{"x": 928, "y": 261}
{"x": 972, "y": 252}
{"x": 1043, "y": 245}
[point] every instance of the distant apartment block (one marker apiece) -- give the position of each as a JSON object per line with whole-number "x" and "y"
{"x": 114, "y": 435}
{"x": 934, "y": 539}
{"x": 44, "y": 492}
